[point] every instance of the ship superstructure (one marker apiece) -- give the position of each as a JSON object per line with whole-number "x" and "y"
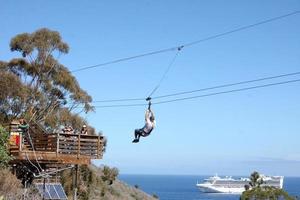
{"x": 216, "y": 184}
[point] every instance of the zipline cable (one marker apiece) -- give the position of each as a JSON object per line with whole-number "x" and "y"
{"x": 242, "y": 28}
{"x": 33, "y": 149}
{"x": 32, "y": 162}
{"x": 230, "y": 91}
{"x": 188, "y": 44}
{"x": 226, "y": 85}
{"x": 54, "y": 171}
{"x": 202, "y": 89}
{"x": 205, "y": 95}
{"x": 117, "y": 100}
{"x": 166, "y": 71}
{"x": 126, "y": 59}
{"x": 122, "y": 105}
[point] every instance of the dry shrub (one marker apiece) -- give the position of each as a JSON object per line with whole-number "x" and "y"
{"x": 12, "y": 189}
{"x": 10, "y": 186}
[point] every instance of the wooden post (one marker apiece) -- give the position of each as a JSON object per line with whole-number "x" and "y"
{"x": 78, "y": 149}
{"x": 98, "y": 147}
{"x": 75, "y": 182}
{"x": 57, "y": 144}
{"x": 44, "y": 187}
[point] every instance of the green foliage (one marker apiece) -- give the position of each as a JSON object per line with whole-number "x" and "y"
{"x": 86, "y": 175}
{"x": 92, "y": 185}
{"x": 12, "y": 95}
{"x": 90, "y": 180}
{"x": 36, "y": 85}
{"x": 255, "y": 180}
{"x": 66, "y": 181}
{"x": 109, "y": 174}
{"x": 266, "y": 193}
{"x": 4, "y": 154}
{"x": 254, "y": 191}
{"x": 155, "y": 196}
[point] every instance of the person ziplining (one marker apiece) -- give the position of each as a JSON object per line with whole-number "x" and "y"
{"x": 149, "y": 124}
{"x": 149, "y": 115}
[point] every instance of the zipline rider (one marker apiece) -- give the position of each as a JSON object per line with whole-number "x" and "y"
{"x": 148, "y": 127}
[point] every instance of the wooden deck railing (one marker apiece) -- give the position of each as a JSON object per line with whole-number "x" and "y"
{"x": 87, "y": 145}
{"x": 55, "y": 146}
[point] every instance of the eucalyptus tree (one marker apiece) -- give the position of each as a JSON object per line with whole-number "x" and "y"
{"x": 36, "y": 85}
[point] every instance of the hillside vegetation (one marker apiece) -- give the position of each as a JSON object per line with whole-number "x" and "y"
{"x": 93, "y": 185}
{"x": 101, "y": 183}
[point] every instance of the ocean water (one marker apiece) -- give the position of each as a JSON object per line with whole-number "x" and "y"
{"x": 176, "y": 187}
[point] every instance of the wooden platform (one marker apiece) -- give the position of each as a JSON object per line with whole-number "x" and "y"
{"x": 38, "y": 146}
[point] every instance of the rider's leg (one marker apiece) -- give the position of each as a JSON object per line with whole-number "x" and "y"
{"x": 137, "y": 135}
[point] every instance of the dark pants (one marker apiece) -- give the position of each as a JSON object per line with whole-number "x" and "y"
{"x": 140, "y": 132}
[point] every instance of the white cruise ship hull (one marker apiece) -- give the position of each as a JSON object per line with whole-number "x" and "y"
{"x": 212, "y": 189}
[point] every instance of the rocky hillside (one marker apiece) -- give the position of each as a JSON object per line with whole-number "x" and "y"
{"x": 124, "y": 191}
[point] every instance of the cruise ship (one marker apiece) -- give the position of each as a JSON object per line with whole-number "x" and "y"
{"x": 228, "y": 184}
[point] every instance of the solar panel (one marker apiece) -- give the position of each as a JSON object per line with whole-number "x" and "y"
{"x": 51, "y": 191}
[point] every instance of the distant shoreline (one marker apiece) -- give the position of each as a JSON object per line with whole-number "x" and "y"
{"x": 125, "y": 174}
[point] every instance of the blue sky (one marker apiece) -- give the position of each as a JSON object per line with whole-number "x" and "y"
{"x": 232, "y": 134}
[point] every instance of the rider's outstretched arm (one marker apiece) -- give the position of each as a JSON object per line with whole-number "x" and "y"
{"x": 147, "y": 114}
{"x": 152, "y": 114}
